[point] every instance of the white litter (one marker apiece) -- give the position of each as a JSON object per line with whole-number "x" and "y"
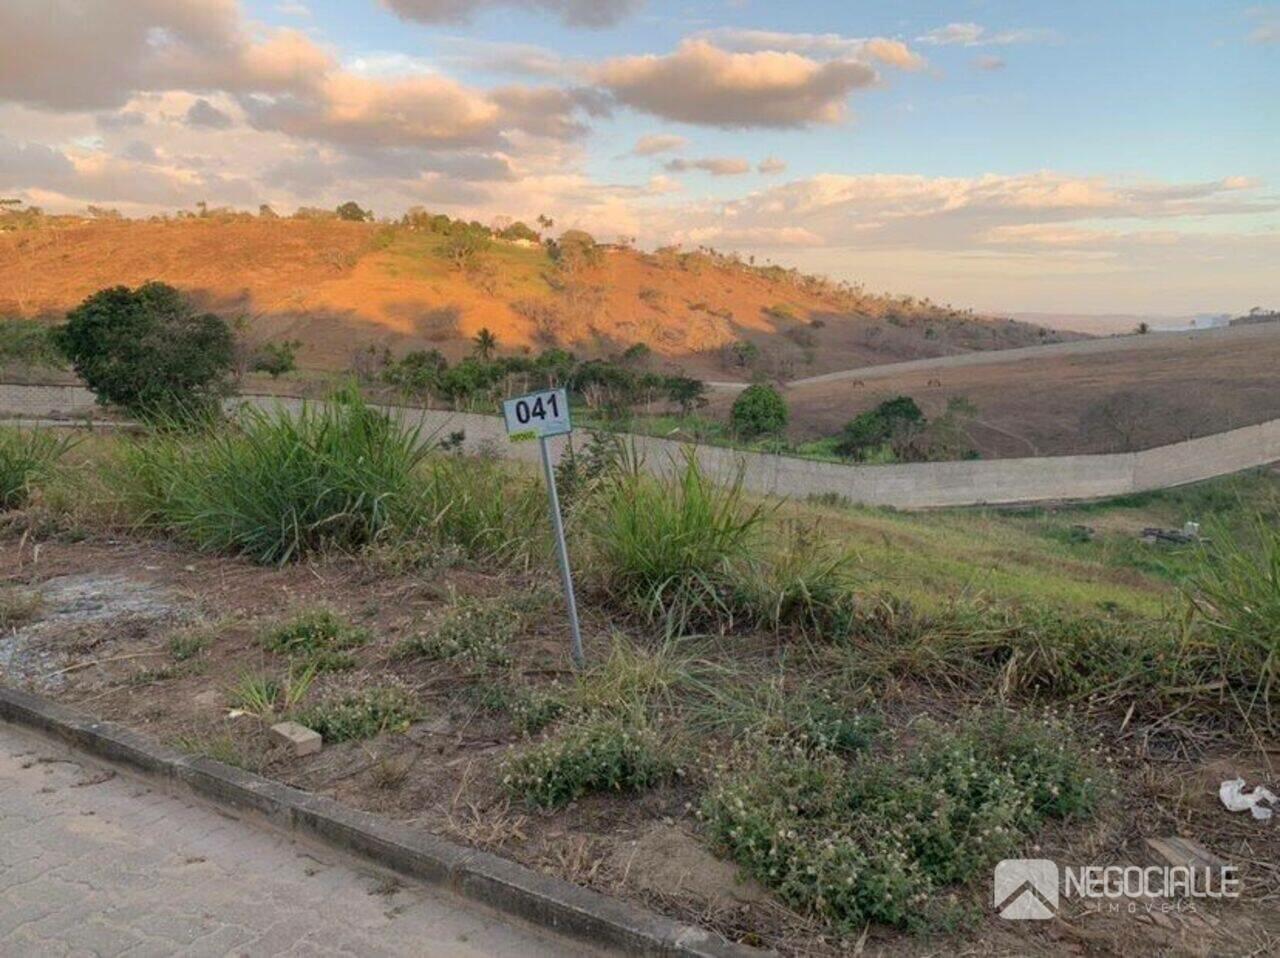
{"x": 1236, "y": 799}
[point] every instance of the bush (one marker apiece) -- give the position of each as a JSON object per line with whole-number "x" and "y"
{"x": 276, "y": 359}
{"x": 665, "y": 548}
{"x": 897, "y": 419}
{"x": 27, "y": 459}
{"x": 359, "y": 715}
{"x": 149, "y": 352}
{"x": 282, "y": 486}
{"x": 598, "y": 754}
{"x": 759, "y": 411}
{"x": 882, "y": 838}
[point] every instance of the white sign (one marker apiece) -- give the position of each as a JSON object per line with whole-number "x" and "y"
{"x": 538, "y": 415}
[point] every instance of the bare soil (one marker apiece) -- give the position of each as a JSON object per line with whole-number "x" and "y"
{"x": 100, "y": 640}
{"x": 1177, "y": 389}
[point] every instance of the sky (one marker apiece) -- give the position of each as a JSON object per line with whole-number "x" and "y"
{"x": 1116, "y": 156}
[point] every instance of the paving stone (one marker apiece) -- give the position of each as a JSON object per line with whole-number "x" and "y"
{"x": 148, "y": 874}
{"x": 298, "y": 739}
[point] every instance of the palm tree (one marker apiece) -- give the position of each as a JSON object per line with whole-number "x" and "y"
{"x": 486, "y": 344}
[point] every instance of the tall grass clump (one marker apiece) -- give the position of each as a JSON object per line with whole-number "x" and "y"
{"x": 666, "y": 548}
{"x": 276, "y": 486}
{"x": 27, "y": 459}
{"x": 1237, "y": 595}
{"x": 477, "y": 505}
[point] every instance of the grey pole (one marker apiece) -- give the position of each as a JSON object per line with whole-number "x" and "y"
{"x": 566, "y": 574}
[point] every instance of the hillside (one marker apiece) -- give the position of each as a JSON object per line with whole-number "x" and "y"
{"x": 340, "y": 287}
{"x": 1115, "y": 395}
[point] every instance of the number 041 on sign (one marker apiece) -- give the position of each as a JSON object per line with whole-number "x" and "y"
{"x": 538, "y": 415}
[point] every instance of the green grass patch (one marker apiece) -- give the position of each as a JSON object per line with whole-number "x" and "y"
{"x": 28, "y": 459}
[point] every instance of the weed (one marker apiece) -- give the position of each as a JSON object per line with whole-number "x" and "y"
{"x": 664, "y": 548}
{"x": 636, "y": 681}
{"x": 320, "y": 638}
{"x": 884, "y": 838}
{"x": 361, "y": 714}
{"x": 476, "y": 632}
{"x": 220, "y": 748}
{"x": 479, "y": 506}
{"x": 1237, "y": 594}
{"x": 531, "y": 710}
{"x": 18, "y": 607}
{"x": 28, "y": 458}
{"x": 598, "y": 754}
{"x": 188, "y": 644}
{"x": 255, "y": 694}
{"x": 805, "y": 585}
{"x": 808, "y": 718}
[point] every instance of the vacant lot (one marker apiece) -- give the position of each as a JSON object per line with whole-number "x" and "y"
{"x": 804, "y": 725}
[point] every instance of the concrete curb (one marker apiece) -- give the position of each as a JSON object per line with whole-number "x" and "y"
{"x": 500, "y": 884}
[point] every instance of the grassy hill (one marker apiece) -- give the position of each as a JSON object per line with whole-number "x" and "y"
{"x": 340, "y": 287}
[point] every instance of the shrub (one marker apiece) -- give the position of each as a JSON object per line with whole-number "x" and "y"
{"x": 464, "y": 247}
{"x": 276, "y": 359}
{"x": 149, "y": 352}
{"x": 881, "y": 839}
{"x": 665, "y": 547}
{"x": 362, "y": 714}
{"x": 894, "y": 419}
{"x": 598, "y": 754}
{"x": 281, "y": 486}
{"x": 759, "y": 411}
{"x": 27, "y": 459}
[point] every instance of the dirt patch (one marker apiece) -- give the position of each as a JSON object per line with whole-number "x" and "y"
{"x": 112, "y": 608}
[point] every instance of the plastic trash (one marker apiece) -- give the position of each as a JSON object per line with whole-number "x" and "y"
{"x": 1236, "y": 799}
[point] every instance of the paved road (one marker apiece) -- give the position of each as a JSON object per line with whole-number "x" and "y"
{"x": 1081, "y": 347}
{"x": 97, "y": 863}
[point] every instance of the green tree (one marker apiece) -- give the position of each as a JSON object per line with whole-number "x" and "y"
{"x": 486, "y": 344}
{"x": 759, "y": 411}
{"x": 687, "y": 393}
{"x": 465, "y": 246}
{"x": 519, "y": 231}
{"x": 352, "y": 212}
{"x": 149, "y": 352}
{"x": 893, "y": 420}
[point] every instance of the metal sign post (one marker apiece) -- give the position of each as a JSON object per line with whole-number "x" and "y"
{"x": 541, "y": 416}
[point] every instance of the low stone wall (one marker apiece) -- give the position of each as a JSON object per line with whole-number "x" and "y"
{"x": 916, "y": 486}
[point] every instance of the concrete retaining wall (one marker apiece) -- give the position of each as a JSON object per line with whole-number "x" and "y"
{"x": 916, "y": 486}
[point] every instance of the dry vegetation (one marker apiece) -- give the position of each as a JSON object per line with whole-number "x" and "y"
{"x": 857, "y": 711}
{"x": 340, "y": 286}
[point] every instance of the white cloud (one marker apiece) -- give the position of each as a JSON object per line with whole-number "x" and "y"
{"x": 703, "y": 84}
{"x": 715, "y": 165}
{"x": 579, "y": 13}
{"x": 771, "y": 166}
{"x": 655, "y": 143}
{"x": 975, "y": 35}
{"x": 889, "y": 52}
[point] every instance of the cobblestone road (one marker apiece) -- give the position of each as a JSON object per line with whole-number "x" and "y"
{"x": 97, "y": 863}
